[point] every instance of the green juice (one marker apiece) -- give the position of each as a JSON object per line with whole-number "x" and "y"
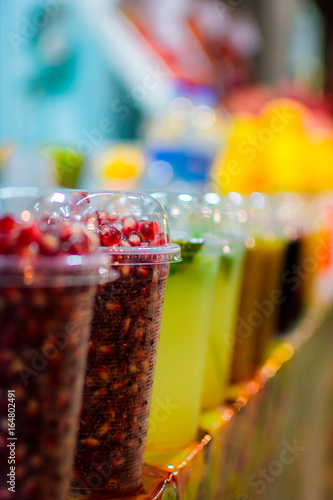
{"x": 222, "y": 333}
{"x": 175, "y": 406}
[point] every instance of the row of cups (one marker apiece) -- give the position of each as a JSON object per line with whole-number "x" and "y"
{"x": 96, "y": 291}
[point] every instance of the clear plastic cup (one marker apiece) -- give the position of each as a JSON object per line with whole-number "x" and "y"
{"x": 122, "y": 351}
{"x": 46, "y": 304}
{"x": 261, "y": 294}
{"x": 226, "y": 302}
{"x": 308, "y": 251}
{"x": 322, "y": 206}
{"x": 185, "y": 326}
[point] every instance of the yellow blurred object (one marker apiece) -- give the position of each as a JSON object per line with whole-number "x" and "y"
{"x": 5, "y": 153}
{"x": 277, "y": 150}
{"x": 120, "y": 166}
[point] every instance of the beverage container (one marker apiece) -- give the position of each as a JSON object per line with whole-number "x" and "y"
{"x": 322, "y": 206}
{"x": 226, "y": 302}
{"x": 308, "y": 251}
{"x": 185, "y": 328}
{"x": 122, "y": 351}
{"x": 261, "y": 294}
{"x": 48, "y": 276}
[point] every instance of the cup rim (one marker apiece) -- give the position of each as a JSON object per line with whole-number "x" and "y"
{"x": 100, "y": 258}
{"x": 61, "y": 262}
{"x": 170, "y": 253}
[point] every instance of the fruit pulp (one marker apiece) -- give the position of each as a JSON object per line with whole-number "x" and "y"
{"x": 222, "y": 333}
{"x": 175, "y": 406}
{"x": 116, "y": 400}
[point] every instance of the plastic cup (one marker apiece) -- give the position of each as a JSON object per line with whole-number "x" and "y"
{"x": 308, "y": 251}
{"x": 45, "y": 314}
{"x": 185, "y": 324}
{"x": 225, "y": 308}
{"x": 322, "y": 206}
{"x": 261, "y": 294}
{"x": 122, "y": 354}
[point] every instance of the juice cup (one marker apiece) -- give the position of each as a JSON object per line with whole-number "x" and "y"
{"x": 261, "y": 287}
{"x": 323, "y": 286}
{"x": 122, "y": 351}
{"x": 185, "y": 328}
{"x": 47, "y": 291}
{"x": 221, "y": 339}
{"x": 297, "y": 219}
{"x": 270, "y": 298}
{"x": 225, "y": 308}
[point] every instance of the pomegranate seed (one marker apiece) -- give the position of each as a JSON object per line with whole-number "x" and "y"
{"x": 90, "y": 442}
{"x": 103, "y": 373}
{"x": 117, "y": 459}
{"x": 134, "y": 389}
{"x": 135, "y": 239}
{"x": 104, "y": 429}
{"x": 143, "y": 272}
{"x": 149, "y": 230}
{"x": 106, "y": 349}
{"x": 49, "y": 244}
{"x": 101, "y": 392}
{"x": 119, "y": 385}
{"x": 120, "y": 437}
{"x": 133, "y": 443}
{"x": 113, "y": 306}
{"x": 127, "y": 271}
{"x": 162, "y": 239}
{"x": 127, "y": 323}
{"x": 28, "y": 235}
{"x": 130, "y": 225}
{"x": 7, "y": 245}
{"x": 104, "y": 217}
{"x": 110, "y": 410}
{"x": 124, "y": 242}
{"x": 144, "y": 366}
{"x": 75, "y": 244}
{"x": 7, "y": 224}
{"x": 142, "y": 378}
{"x": 110, "y": 236}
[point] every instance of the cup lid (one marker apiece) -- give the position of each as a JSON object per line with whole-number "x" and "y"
{"x": 133, "y": 227}
{"x": 252, "y": 216}
{"x": 46, "y": 241}
{"x": 192, "y": 219}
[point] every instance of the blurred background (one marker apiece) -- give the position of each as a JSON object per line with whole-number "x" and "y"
{"x": 232, "y": 95}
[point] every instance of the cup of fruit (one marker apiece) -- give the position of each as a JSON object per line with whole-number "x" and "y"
{"x": 134, "y": 236}
{"x": 49, "y": 270}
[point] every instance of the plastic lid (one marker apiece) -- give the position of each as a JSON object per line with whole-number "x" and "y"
{"x": 192, "y": 219}
{"x": 295, "y": 214}
{"x": 53, "y": 209}
{"x": 233, "y": 213}
{"x": 141, "y": 207}
{"x": 253, "y": 215}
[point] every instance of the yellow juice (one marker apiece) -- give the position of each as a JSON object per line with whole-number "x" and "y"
{"x": 271, "y": 298}
{"x": 260, "y": 302}
{"x": 175, "y": 405}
